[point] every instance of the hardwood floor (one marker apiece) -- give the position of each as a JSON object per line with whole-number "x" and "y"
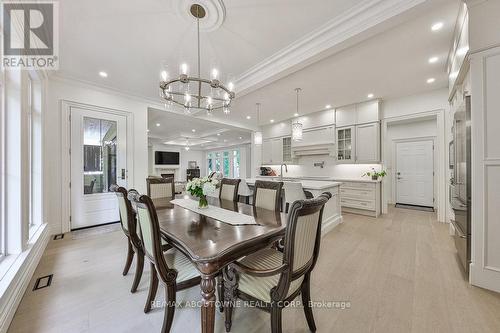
{"x": 398, "y": 273}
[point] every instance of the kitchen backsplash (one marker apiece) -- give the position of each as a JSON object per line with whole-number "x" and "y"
{"x": 330, "y": 168}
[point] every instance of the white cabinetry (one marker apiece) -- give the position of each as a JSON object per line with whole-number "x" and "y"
{"x": 267, "y": 151}
{"x": 276, "y": 150}
{"x": 358, "y": 133}
{"x": 361, "y": 198}
{"x": 368, "y": 143}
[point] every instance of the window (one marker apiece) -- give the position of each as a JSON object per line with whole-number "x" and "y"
{"x": 236, "y": 163}
{"x": 2, "y": 159}
{"x": 34, "y": 119}
{"x": 227, "y": 162}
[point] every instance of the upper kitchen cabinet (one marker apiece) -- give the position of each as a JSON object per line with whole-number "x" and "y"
{"x": 345, "y": 116}
{"x": 277, "y": 150}
{"x": 368, "y": 143}
{"x": 355, "y": 114}
{"x": 358, "y": 133}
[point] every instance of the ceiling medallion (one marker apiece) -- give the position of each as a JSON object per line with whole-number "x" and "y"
{"x": 195, "y": 93}
{"x": 296, "y": 124}
{"x": 215, "y": 12}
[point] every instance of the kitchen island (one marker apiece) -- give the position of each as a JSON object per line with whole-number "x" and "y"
{"x": 332, "y": 214}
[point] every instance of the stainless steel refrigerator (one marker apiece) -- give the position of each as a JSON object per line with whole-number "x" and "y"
{"x": 460, "y": 189}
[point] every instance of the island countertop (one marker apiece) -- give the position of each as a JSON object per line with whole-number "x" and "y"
{"x": 306, "y": 184}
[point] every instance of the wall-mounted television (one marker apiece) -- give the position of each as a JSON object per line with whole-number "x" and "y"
{"x": 166, "y": 158}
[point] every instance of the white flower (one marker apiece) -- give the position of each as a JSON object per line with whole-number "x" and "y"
{"x": 208, "y": 188}
{"x": 215, "y": 182}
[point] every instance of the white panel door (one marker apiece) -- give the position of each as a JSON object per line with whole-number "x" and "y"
{"x": 367, "y": 143}
{"x": 415, "y": 173}
{"x": 98, "y": 160}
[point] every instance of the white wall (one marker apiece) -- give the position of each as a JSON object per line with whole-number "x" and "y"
{"x": 185, "y": 157}
{"x": 407, "y": 105}
{"x": 406, "y": 130}
{"x": 61, "y": 89}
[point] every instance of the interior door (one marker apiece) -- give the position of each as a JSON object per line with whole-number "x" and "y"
{"x": 415, "y": 173}
{"x": 98, "y": 160}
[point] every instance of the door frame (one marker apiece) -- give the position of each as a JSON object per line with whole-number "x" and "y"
{"x": 66, "y": 107}
{"x": 440, "y": 154}
{"x": 395, "y": 159}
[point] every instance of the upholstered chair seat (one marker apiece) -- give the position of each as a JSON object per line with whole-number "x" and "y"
{"x": 260, "y": 287}
{"x": 186, "y": 270}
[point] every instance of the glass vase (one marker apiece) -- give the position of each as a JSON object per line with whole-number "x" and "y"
{"x": 203, "y": 203}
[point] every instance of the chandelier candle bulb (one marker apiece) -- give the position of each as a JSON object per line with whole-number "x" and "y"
{"x": 215, "y": 74}
{"x": 184, "y": 69}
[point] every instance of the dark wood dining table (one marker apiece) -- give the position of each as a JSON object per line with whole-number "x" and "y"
{"x": 211, "y": 244}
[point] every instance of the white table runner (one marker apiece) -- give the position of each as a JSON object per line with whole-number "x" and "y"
{"x": 217, "y": 213}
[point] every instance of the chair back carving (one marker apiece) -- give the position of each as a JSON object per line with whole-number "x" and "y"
{"x": 160, "y": 187}
{"x": 127, "y": 213}
{"x": 267, "y": 195}
{"x": 302, "y": 241}
{"x": 150, "y": 233}
{"x": 229, "y": 189}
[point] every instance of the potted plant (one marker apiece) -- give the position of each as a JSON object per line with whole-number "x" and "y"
{"x": 375, "y": 174}
{"x": 200, "y": 188}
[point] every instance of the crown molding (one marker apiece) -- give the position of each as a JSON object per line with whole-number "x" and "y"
{"x": 315, "y": 45}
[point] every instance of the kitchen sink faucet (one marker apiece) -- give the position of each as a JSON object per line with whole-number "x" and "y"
{"x": 281, "y": 172}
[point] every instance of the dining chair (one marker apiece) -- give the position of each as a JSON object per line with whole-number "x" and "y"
{"x": 293, "y": 191}
{"x": 129, "y": 227}
{"x": 229, "y": 189}
{"x": 160, "y": 187}
{"x": 175, "y": 271}
{"x": 245, "y": 191}
{"x": 267, "y": 195}
{"x": 270, "y": 278}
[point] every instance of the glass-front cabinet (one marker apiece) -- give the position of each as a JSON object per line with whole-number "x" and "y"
{"x": 345, "y": 145}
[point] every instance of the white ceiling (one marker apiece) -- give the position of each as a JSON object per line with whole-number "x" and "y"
{"x": 390, "y": 64}
{"x": 176, "y": 129}
{"x": 133, "y": 41}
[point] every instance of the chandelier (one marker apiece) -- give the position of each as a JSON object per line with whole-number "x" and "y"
{"x": 195, "y": 93}
{"x": 257, "y": 136}
{"x": 296, "y": 124}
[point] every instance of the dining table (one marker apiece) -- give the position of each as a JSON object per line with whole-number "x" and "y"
{"x": 212, "y": 244}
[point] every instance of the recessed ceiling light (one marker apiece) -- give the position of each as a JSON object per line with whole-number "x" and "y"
{"x": 218, "y": 134}
{"x": 157, "y": 124}
{"x": 295, "y": 114}
{"x": 433, "y": 60}
{"x": 437, "y": 26}
{"x": 225, "y": 140}
{"x": 431, "y": 80}
{"x": 193, "y": 130}
{"x": 103, "y": 74}
{"x": 370, "y": 96}
{"x": 272, "y": 120}
{"x": 328, "y": 106}
{"x": 241, "y": 138}
{"x": 148, "y": 130}
{"x": 248, "y": 117}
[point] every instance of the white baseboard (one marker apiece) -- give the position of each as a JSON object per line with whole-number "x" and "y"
{"x": 17, "y": 279}
{"x": 330, "y": 224}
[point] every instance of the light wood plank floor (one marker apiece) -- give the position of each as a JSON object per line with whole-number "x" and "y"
{"x": 399, "y": 273}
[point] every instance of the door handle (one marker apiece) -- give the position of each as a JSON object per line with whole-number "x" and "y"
{"x": 123, "y": 174}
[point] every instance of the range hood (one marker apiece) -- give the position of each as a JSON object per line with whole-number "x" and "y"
{"x": 318, "y": 149}
{"x": 316, "y": 141}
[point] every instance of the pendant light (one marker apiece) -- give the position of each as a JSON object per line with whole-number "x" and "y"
{"x": 296, "y": 124}
{"x": 257, "y": 136}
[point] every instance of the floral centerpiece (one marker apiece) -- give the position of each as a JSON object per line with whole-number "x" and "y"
{"x": 200, "y": 188}
{"x": 375, "y": 174}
